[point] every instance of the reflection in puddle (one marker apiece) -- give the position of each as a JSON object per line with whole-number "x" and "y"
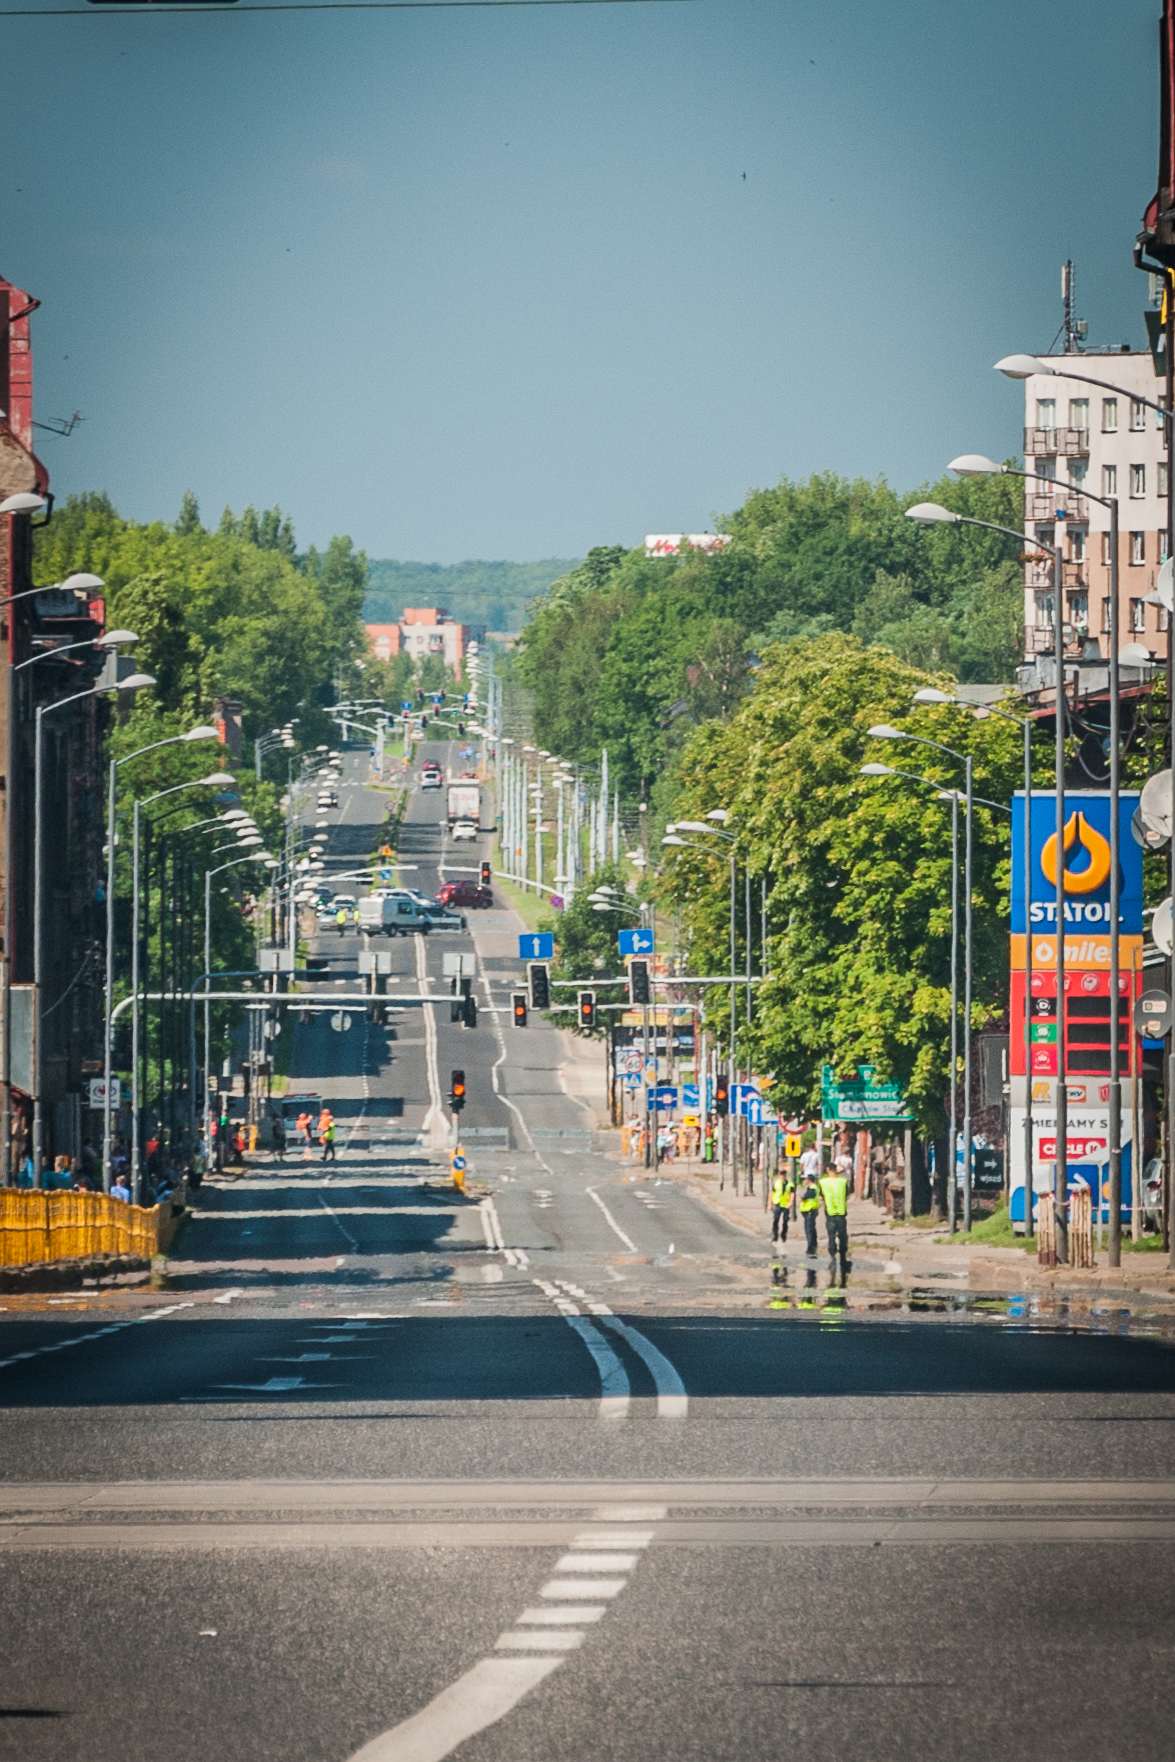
{"x": 825, "y": 1293}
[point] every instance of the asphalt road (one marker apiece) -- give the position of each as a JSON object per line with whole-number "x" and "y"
{"x": 564, "y": 1468}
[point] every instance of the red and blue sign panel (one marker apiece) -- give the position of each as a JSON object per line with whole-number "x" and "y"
{"x": 1085, "y": 856}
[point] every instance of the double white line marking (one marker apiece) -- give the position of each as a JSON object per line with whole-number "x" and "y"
{"x": 615, "y": 1390}
{"x": 491, "y": 1226}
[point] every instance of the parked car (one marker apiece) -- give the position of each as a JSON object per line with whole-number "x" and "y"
{"x": 463, "y": 832}
{"x": 467, "y": 893}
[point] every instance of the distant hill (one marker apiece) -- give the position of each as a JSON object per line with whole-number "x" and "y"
{"x": 493, "y": 594}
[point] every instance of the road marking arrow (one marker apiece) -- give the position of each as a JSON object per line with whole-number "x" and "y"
{"x": 277, "y": 1386}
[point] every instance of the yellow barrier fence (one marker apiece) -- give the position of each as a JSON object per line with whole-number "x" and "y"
{"x": 37, "y": 1229}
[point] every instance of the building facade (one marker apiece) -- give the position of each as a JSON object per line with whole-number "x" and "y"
{"x": 423, "y": 631}
{"x": 1081, "y": 438}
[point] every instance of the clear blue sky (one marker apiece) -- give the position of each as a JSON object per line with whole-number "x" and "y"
{"x": 491, "y": 283}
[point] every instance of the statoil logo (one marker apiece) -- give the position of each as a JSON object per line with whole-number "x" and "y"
{"x": 1079, "y": 836}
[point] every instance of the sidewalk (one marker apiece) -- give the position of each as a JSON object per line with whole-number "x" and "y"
{"x": 888, "y": 1251}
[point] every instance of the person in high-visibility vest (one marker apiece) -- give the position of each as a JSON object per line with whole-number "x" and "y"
{"x": 809, "y": 1211}
{"x": 326, "y": 1134}
{"x": 834, "y": 1195}
{"x": 782, "y": 1192}
{"x": 305, "y": 1127}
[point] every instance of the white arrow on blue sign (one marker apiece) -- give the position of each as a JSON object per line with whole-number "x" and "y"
{"x": 635, "y": 941}
{"x": 540, "y": 946}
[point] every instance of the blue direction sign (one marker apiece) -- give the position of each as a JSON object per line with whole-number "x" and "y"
{"x": 540, "y": 946}
{"x": 690, "y": 1096}
{"x": 663, "y": 1098}
{"x": 635, "y": 941}
{"x": 741, "y": 1095}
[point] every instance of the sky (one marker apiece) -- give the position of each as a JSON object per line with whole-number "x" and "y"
{"x": 512, "y": 282}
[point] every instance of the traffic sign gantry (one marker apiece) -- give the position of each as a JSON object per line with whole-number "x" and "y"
{"x": 537, "y": 946}
{"x": 635, "y": 941}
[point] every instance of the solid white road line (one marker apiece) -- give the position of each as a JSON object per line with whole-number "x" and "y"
{"x": 435, "y": 1129}
{"x": 627, "y": 1240}
{"x": 614, "y": 1387}
{"x": 97, "y": 1333}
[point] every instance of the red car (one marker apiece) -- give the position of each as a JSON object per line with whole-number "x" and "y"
{"x": 464, "y": 893}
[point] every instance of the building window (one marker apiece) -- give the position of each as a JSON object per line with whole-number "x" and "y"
{"x": 1164, "y": 618}
{"x": 1077, "y": 544}
{"x": 1109, "y": 480}
{"x": 1163, "y": 477}
{"x": 1138, "y": 547}
{"x": 1079, "y": 413}
{"x": 1106, "y": 549}
{"x": 1079, "y": 609}
{"x": 1078, "y": 472}
{"x": 1137, "y": 416}
{"x": 1105, "y": 616}
{"x": 1046, "y": 412}
{"x": 1162, "y": 547}
{"x": 1137, "y": 616}
{"x": 1137, "y": 481}
{"x": 1109, "y": 415}
{"x": 1044, "y": 610}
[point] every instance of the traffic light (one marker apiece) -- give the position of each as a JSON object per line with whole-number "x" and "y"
{"x": 587, "y": 1009}
{"x": 519, "y": 1001}
{"x": 540, "y": 985}
{"x": 486, "y": 872}
{"x": 469, "y": 1006}
{"x": 721, "y": 1096}
{"x": 456, "y": 1007}
{"x": 457, "y": 1090}
{"x": 638, "y": 982}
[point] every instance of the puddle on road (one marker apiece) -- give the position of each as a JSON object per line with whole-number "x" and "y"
{"x": 810, "y": 1290}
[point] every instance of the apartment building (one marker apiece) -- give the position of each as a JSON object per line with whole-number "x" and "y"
{"x": 1081, "y": 438}
{"x": 421, "y": 632}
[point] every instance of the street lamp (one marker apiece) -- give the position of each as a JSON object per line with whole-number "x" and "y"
{"x": 214, "y": 780}
{"x": 884, "y": 731}
{"x": 930, "y": 694}
{"x": 133, "y": 682}
{"x": 933, "y": 513}
{"x": 111, "y": 639}
{"x": 202, "y": 731}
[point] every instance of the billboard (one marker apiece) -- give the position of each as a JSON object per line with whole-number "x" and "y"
{"x": 1084, "y": 858}
{"x": 673, "y": 544}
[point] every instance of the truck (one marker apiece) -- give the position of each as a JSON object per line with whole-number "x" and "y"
{"x": 463, "y": 801}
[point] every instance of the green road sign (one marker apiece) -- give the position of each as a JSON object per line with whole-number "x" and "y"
{"x": 861, "y": 1099}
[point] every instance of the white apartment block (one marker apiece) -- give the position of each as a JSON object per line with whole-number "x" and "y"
{"x": 1083, "y": 438}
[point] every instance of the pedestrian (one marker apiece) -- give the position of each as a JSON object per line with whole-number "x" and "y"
{"x": 782, "y": 1193}
{"x": 341, "y": 919}
{"x": 810, "y": 1207}
{"x": 239, "y": 1142}
{"x": 119, "y": 1188}
{"x": 303, "y": 1127}
{"x": 810, "y": 1164}
{"x": 278, "y": 1138}
{"x": 326, "y": 1134}
{"x": 834, "y": 1193}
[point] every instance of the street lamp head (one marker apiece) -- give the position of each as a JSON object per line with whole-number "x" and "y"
{"x": 695, "y": 826}
{"x": 719, "y": 814}
{"x": 877, "y": 770}
{"x": 135, "y": 682}
{"x": 672, "y": 838}
{"x": 932, "y": 514}
{"x": 884, "y": 731}
{"x": 1022, "y": 366}
{"x": 217, "y": 778}
{"x": 1133, "y": 654}
{"x": 82, "y": 582}
{"x": 203, "y": 731}
{"x": 974, "y": 465}
{"x": 23, "y": 502}
{"x": 930, "y": 694}
{"x": 116, "y": 638}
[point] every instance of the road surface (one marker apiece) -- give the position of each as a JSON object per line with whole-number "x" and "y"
{"x": 567, "y": 1468}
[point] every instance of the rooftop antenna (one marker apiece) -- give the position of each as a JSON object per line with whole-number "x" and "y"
{"x": 1074, "y": 330}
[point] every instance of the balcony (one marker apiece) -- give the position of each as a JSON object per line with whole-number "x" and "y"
{"x": 1041, "y": 506}
{"x": 1062, "y": 443}
{"x": 1074, "y": 576}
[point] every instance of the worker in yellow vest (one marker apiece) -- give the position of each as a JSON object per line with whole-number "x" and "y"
{"x": 809, "y": 1211}
{"x": 834, "y": 1196}
{"x": 782, "y": 1193}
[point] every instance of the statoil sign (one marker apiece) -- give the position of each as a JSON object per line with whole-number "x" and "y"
{"x": 1082, "y": 857}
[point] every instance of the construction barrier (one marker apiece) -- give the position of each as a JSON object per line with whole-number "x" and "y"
{"x": 40, "y": 1229}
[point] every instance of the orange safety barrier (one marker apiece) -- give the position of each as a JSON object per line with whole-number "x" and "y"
{"x": 37, "y": 1229}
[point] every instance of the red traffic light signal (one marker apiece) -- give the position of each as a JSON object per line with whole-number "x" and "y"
{"x": 457, "y": 1090}
{"x": 638, "y": 981}
{"x": 486, "y": 872}
{"x": 721, "y": 1095}
{"x": 587, "y": 1009}
{"x": 519, "y": 1002}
